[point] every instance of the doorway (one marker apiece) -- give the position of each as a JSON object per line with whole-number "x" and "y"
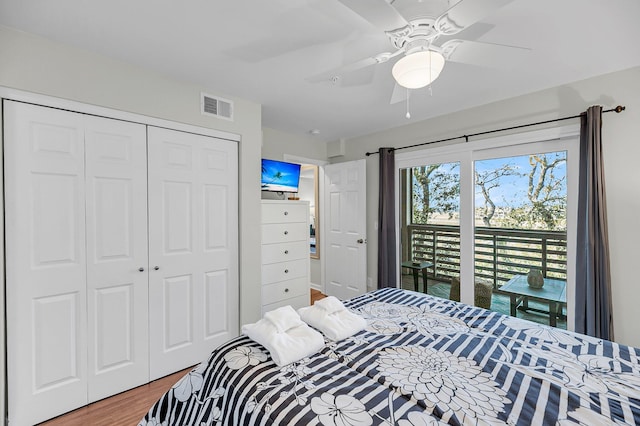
{"x": 311, "y": 189}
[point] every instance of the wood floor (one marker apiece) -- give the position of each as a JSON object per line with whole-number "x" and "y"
{"x": 124, "y": 409}
{"x": 127, "y": 408}
{"x": 316, "y": 295}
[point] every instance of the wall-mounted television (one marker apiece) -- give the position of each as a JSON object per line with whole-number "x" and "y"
{"x": 280, "y": 176}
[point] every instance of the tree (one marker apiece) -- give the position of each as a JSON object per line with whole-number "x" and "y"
{"x": 546, "y": 194}
{"x": 436, "y": 188}
{"x": 488, "y": 180}
{"x": 546, "y": 190}
{"x": 276, "y": 176}
{"x": 540, "y": 203}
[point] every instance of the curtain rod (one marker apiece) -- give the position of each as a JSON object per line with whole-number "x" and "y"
{"x": 617, "y": 109}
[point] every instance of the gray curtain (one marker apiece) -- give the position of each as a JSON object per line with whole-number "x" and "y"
{"x": 386, "y": 220}
{"x": 593, "y": 279}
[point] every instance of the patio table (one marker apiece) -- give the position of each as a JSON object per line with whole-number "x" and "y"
{"x": 554, "y": 292}
{"x": 416, "y": 267}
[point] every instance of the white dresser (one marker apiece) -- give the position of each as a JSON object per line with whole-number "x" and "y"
{"x": 285, "y": 254}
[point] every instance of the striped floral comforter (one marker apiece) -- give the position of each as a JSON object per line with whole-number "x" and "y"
{"x": 421, "y": 361}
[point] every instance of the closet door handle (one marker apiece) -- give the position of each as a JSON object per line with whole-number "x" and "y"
{"x": 286, "y": 252}
{"x": 286, "y": 271}
{"x": 286, "y": 213}
{"x": 286, "y": 290}
{"x": 286, "y": 232}
{"x": 156, "y": 267}
{"x": 141, "y": 269}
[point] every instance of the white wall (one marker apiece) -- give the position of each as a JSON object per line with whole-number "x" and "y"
{"x": 277, "y": 143}
{"x": 3, "y": 352}
{"x": 621, "y": 153}
{"x": 35, "y": 64}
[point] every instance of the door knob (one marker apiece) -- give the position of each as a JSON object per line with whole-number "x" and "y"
{"x": 286, "y": 232}
{"x": 141, "y": 269}
{"x": 361, "y": 241}
{"x": 156, "y": 267}
{"x": 286, "y": 252}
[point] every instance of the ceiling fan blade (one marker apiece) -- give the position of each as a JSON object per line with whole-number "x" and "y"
{"x": 399, "y": 94}
{"x": 483, "y": 54}
{"x": 340, "y": 71}
{"x": 474, "y": 32}
{"x": 466, "y": 13}
{"x": 357, "y": 78}
{"x": 378, "y": 12}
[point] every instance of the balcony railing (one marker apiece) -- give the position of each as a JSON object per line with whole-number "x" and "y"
{"x": 499, "y": 253}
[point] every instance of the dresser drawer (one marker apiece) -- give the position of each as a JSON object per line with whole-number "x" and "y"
{"x": 274, "y": 272}
{"x": 285, "y": 232}
{"x": 282, "y": 252}
{"x": 294, "y": 302}
{"x": 283, "y": 212}
{"x": 272, "y": 293}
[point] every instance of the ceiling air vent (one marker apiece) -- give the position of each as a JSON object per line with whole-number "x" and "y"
{"x": 216, "y": 106}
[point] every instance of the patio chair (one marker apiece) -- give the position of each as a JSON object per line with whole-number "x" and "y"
{"x": 483, "y": 293}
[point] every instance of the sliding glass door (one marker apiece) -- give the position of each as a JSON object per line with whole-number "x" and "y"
{"x": 520, "y": 232}
{"x": 431, "y": 227}
{"x": 492, "y": 224}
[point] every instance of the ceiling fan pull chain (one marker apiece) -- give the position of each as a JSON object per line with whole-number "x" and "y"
{"x": 408, "y": 115}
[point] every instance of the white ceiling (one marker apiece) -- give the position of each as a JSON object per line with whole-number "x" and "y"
{"x": 265, "y": 51}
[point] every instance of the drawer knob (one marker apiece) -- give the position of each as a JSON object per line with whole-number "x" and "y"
{"x": 286, "y": 213}
{"x": 286, "y": 252}
{"x": 141, "y": 269}
{"x": 286, "y": 271}
{"x": 286, "y": 290}
{"x": 286, "y": 232}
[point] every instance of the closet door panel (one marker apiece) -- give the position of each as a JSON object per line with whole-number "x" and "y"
{"x": 177, "y": 207}
{"x": 219, "y": 248}
{"x": 217, "y": 316}
{"x": 193, "y": 293}
{"x": 45, "y": 262}
{"x": 215, "y": 217}
{"x": 117, "y": 259}
{"x": 178, "y": 311}
{"x": 55, "y": 343}
{"x": 55, "y": 217}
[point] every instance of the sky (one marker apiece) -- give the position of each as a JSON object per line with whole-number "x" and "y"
{"x": 512, "y": 190}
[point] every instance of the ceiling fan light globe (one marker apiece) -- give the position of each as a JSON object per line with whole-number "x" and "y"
{"x": 418, "y": 69}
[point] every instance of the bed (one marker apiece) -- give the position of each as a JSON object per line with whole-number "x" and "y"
{"x": 422, "y": 361}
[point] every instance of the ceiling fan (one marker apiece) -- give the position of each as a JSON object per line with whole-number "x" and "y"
{"x": 426, "y": 42}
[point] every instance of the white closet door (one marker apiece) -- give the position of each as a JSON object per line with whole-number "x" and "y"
{"x": 117, "y": 276}
{"x": 46, "y": 268}
{"x": 193, "y": 251}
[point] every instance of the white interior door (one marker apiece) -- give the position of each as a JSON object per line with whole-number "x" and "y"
{"x": 117, "y": 276}
{"x": 345, "y": 230}
{"x": 46, "y": 268}
{"x": 193, "y": 251}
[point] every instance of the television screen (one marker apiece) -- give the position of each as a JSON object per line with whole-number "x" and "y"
{"x": 279, "y": 176}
